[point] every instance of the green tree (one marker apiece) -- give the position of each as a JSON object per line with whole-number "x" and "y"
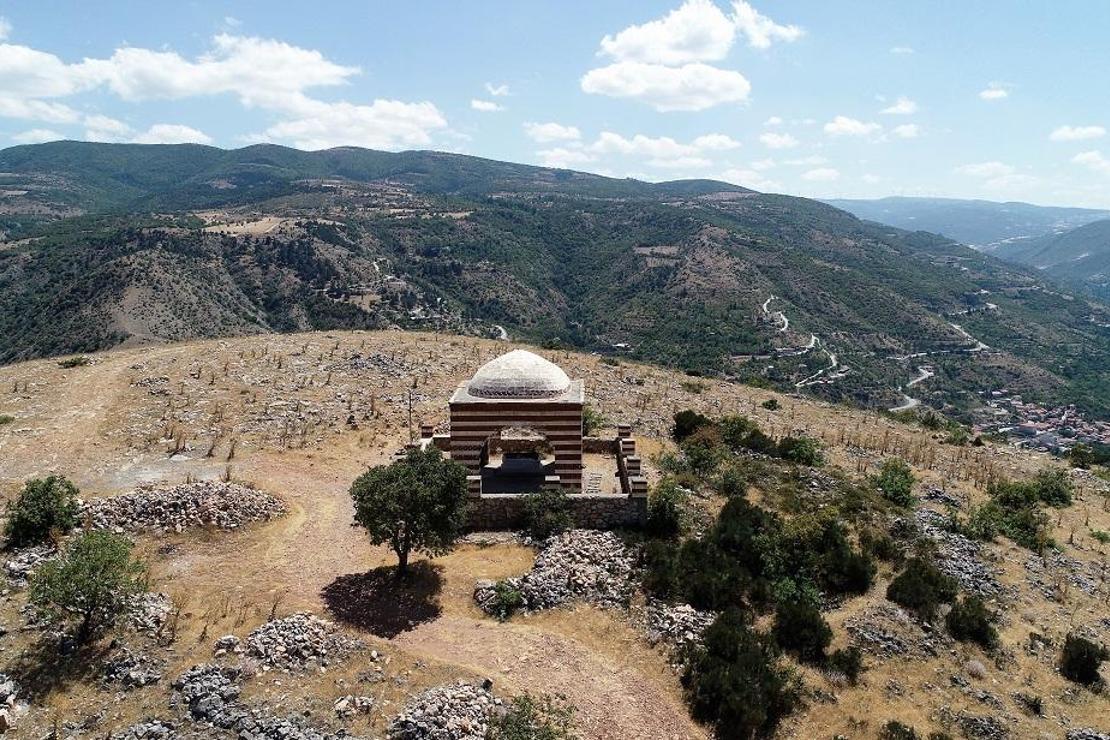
{"x": 801, "y": 450}
{"x": 417, "y": 503}
{"x": 664, "y": 516}
{"x": 922, "y": 588}
{"x": 1053, "y": 487}
{"x": 94, "y": 583}
{"x": 971, "y": 621}
{"x": 1081, "y": 659}
{"x": 800, "y": 628}
{"x": 895, "y": 480}
{"x": 547, "y": 512}
{"x": 686, "y": 422}
{"x": 734, "y": 680}
{"x": 534, "y": 718}
{"x": 43, "y": 504}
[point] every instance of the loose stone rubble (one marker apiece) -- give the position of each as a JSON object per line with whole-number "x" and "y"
{"x": 888, "y": 631}
{"x": 131, "y": 670}
{"x": 959, "y": 556}
{"x": 174, "y": 508}
{"x": 582, "y": 564}
{"x": 152, "y": 729}
{"x": 458, "y": 711}
{"x": 10, "y": 707}
{"x": 1086, "y": 733}
{"x": 150, "y": 611}
{"x": 20, "y": 567}
{"x": 350, "y": 705}
{"x": 298, "y": 641}
{"x": 1047, "y": 574}
{"x": 679, "y": 626}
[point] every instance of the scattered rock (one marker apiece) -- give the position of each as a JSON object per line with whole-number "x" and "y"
{"x": 150, "y": 611}
{"x": 151, "y": 729}
{"x": 582, "y": 564}
{"x": 958, "y": 556}
{"x": 173, "y": 508}
{"x": 887, "y": 630}
{"x": 131, "y": 670}
{"x": 679, "y": 626}
{"x": 23, "y": 563}
{"x": 451, "y": 712}
{"x": 350, "y": 705}
{"x": 295, "y": 641}
{"x": 981, "y": 727}
{"x": 1047, "y": 574}
{"x": 1087, "y": 734}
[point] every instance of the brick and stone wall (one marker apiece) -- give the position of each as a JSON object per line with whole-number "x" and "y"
{"x": 506, "y": 511}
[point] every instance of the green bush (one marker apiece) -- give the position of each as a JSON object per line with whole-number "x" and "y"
{"x": 801, "y": 450}
{"x": 731, "y": 482}
{"x": 43, "y": 504}
{"x": 703, "y": 451}
{"x": 879, "y": 544}
{"x": 592, "y": 420}
{"x": 895, "y": 479}
{"x": 664, "y": 516}
{"x": 921, "y": 588}
{"x": 69, "y": 362}
{"x": 1013, "y": 510}
{"x": 686, "y": 422}
{"x": 6, "y": 419}
{"x": 735, "y": 429}
{"x": 846, "y": 661}
{"x": 771, "y": 404}
{"x": 94, "y": 583}
{"x": 895, "y": 730}
{"x": 1053, "y": 487}
{"x": 971, "y": 621}
{"x": 800, "y": 629}
{"x": 547, "y": 512}
{"x": 1081, "y": 659}
{"x": 735, "y": 682}
{"x": 506, "y": 600}
{"x": 531, "y": 718}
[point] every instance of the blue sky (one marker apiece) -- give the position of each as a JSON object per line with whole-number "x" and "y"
{"x": 1005, "y": 100}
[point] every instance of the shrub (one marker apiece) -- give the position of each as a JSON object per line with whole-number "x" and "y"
{"x": 532, "y": 718}
{"x": 79, "y": 361}
{"x": 686, "y": 422}
{"x": 895, "y": 479}
{"x": 506, "y": 600}
{"x": 94, "y": 582}
{"x": 847, "y": 661}
{"x": 879, "y": 544}
{"x": 592, "y": 420}
{"x": 734, "y": 681}
{"x": 417, "y": 504}
{"x": 921, "y": 588}
{"x": 6, "y": 419}
{"x": 771, "y": 404}
{"x": 547, "y": 512}
{"x": 43, "y": 504}
{"x": 731, "y": 482}
{"x": 757, "y": 441}
{"x": 1053, "y": 487}
{"x": 664, "y": 516}
{"x": 895, "y": 730}
{"x": 800, "y": 628}
{"x": 734, "y": 429}
{"x": 703, "y": 451}
{"x": 801, "y": 450}
{"x": 1014, "y": 512}
{"x": 971, "y": 621}
{"x": 1081, "y": 659}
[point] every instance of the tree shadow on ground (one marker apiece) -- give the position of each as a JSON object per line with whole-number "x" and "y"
{"x": 52, "y": 663}
{"x": 378, "y": 602}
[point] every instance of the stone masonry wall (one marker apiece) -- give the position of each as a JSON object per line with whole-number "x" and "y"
{"x": 506, "y": 511}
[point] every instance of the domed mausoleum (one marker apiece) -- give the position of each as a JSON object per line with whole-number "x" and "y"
{"x": 516, "y": 425}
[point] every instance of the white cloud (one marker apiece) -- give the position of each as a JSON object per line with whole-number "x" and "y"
{"x": 486, "y": 106}
{"x": 1093, "y": 160}
{"x": 661, "y": 147}
{"x": 231, "y": 21}
{"x": 5, "y": 32}
{"x": 37, "y": 110}
{"x": 821, "y": 174}
{"x": 681, "y": 163}
{"x": 565, "y": 158}
{"x": 773, "y": 121}
{"x": 172, "y": 133}
{"x": 986, "y": 169}
{"x": 497, "y": 91}
{"x": 901, "y": 50}
{"x": 901, "y": 107}
{"x": 907, "y": 131}
{"x": 691, "y": 87}
{"x": 750, "y": 179}
{"x": 772, "y": 140}
{"x": 103, "y": 128}
{"x": 845, "y": 126}
{"x": 260, "y": 73}
{"x": 871, "y": 179}
{"x": 695, "y": 32}
{"x": 1077, "y": 133}
{"x": 760, "y": 165}
{"x": 760, "y": 30}
{"x": 36, "y": 136}
{"x": 545, "y": 133}
{"x": 811, "y": 161}
{"x": 715, "y": 142}
{"x": 994, "y": 91}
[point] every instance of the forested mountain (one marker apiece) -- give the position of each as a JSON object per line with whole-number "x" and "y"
{"x": 110, "y": 244}
{"x": 1080, "y": 256}
{"x": 979, "y": 223}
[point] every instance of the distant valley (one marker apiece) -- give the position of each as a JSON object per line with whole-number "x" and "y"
{"x": 127, "y": 244}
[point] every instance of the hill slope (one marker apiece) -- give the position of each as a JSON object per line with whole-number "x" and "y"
{"x": 1080, "y": 256}
{"x": 981, "y": 223}
{"x": 705, "y": 276}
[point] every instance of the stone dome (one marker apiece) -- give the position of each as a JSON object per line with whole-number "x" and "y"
{"x": 518, "y": 374}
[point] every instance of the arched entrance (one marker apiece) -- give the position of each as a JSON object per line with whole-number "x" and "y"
{"x": 516, "y": 459}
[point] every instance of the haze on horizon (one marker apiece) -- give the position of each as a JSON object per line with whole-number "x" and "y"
{"x": 868, "y": 100}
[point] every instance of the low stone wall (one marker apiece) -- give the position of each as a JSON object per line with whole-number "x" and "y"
{"x": 506, "y": 511}
{"x": 601, "y": 445}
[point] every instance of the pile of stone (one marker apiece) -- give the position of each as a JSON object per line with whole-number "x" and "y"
{"x": 1049, "y": 573}
{"x": 458, "y": 711}
{"x": 888, "y": 631}
{"x": 10, "y": 708}
{"x": 578, "y": 564}
{"x": 350, "y": 705}
{"x": 174, "y": 508}
{"x": 1085, "y": 733}
{"x": 131, "y": 670}
{"x": 20, "y": 566}
{"x": 981, "y": 727}
{"x": 210, "y": 694}
{"x": 299, "y": 641}
{"x": 151, "y": 729}
{"x": 679, "y": 626}
{"x": 149, "y": 611}
{"x": 958, "y": 556}
{"x": 938, "y": 495}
